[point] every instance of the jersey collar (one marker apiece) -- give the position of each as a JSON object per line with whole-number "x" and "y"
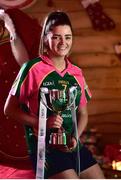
{"x": 49, "y": 62}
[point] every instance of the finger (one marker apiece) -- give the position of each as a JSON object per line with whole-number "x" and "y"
{"x": 59, "y": 117}
{"x": 57, "y": 123}
{"x": 54, "y": 124}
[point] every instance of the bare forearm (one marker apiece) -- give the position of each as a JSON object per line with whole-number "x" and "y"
{"x": 19, "y": 50}
{"x": 82, "y": 121}
{"x": 13, "y": 110}
{"x": 82, "y": 125}
{"x": 23, "y": 117}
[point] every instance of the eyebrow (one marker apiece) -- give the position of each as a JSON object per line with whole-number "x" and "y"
{"x": 60, "y": 35}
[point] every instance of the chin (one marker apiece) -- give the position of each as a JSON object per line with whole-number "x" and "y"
{"x": 62, "y": 54}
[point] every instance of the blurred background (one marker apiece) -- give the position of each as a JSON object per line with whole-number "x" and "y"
{"x": 96, "y": 50}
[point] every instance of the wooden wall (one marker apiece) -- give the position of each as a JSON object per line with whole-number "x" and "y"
{"x": 94, "y": 52}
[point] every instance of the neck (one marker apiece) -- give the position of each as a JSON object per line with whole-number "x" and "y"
{"x": 59, "y": 62}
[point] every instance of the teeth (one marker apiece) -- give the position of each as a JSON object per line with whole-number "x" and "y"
{"x": 62, "y": 48}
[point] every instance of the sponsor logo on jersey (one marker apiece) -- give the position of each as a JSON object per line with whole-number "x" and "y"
{"x": 48, "y": 83}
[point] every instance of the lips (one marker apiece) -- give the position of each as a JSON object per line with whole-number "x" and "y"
{"x": 62, "y": 48}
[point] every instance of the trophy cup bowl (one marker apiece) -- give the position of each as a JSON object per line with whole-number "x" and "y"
{"x": 59, "y": 100}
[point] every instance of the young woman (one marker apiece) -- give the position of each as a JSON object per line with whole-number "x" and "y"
{"x": 52, "y": 69}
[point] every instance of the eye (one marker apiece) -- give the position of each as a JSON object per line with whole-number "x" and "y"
{"x": 68, "y": 37}
{"x": 55, "y": 37}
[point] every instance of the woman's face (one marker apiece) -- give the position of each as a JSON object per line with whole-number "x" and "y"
{"x": 60, "y": 40}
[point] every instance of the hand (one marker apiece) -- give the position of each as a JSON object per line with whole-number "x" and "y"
{"x": 72, "y": 144}
{"x": 70, "y": 147}
{"x": 54, "y": 121}
{"x": 8, "y": 24}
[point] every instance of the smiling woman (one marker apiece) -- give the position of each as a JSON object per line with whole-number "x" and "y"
{"x": 53, "y": 72}
{"x": 16, "y": 4}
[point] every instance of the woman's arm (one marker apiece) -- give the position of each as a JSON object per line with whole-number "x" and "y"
{"x": 13, "y": 110}
{"x": 19, "y": 51}
{"x": 18, "y": 48}
{"x": 82, "y": 120}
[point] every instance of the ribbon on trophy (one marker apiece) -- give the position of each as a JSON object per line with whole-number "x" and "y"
{"x": 41, "y": 135}
{"x": 74, "y": 119}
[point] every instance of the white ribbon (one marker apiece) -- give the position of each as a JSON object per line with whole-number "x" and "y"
{"x": 41, "y": 138}
{"x": 74, "y": 119}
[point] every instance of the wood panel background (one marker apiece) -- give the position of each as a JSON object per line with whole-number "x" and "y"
{"x": 94, "y": 52}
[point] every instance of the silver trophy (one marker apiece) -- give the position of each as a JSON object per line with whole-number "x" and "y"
{"x": 58, "y": 101}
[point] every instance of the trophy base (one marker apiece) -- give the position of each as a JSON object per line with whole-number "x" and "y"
{"x": 60, "y": 147}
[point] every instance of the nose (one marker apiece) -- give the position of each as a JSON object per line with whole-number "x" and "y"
{"x": 62, "y": 40}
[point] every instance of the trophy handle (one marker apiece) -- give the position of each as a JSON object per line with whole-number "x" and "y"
{"x": 44, "y": 91}
{"x": 72, "y": 96}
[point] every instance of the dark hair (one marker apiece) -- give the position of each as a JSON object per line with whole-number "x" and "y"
{"x": 53, "y": 19}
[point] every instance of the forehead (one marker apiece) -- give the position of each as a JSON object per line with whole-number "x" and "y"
{"x": 62, "y": 29}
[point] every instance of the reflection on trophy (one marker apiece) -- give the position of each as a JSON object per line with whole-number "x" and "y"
{"x": 60, "y": 100}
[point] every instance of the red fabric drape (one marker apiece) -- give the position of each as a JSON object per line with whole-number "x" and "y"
{"x": 12, "y": 140}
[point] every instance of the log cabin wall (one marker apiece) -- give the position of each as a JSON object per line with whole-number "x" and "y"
{"x": 94, "y": 52}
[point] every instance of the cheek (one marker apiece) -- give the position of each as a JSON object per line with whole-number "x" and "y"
{"x": 53, "y": 44}
{"x": 70, "y": 44}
